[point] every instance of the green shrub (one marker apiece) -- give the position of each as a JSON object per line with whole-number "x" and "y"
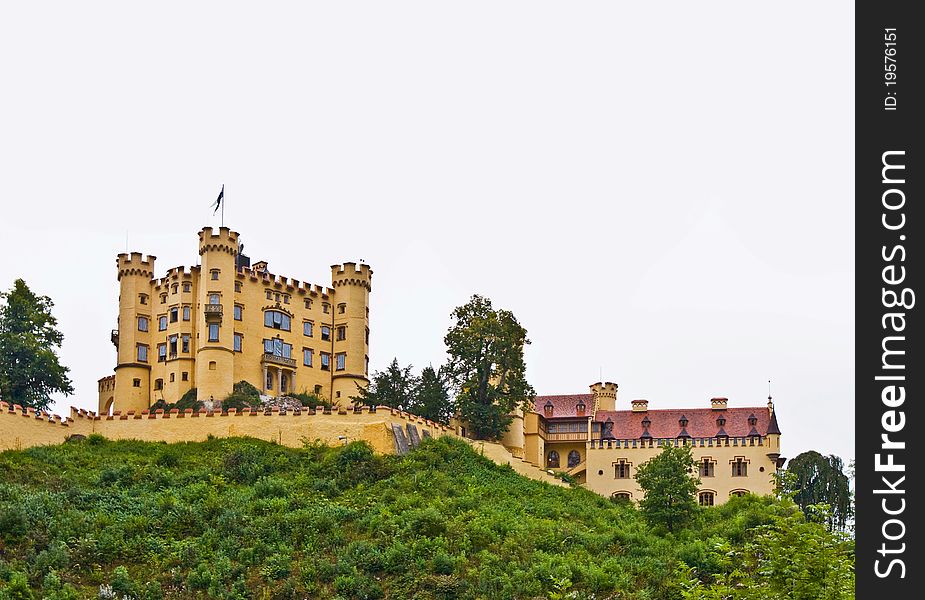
{"x": 310, "y": 400}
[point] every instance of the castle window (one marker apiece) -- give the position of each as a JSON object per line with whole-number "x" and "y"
{"x": 277, "y": 320}
{"x": 163, "y": 298}
{"x": 721, "y": 421}
{"x": 341, "y": 361}
{"x": 268, "y": 384}
{"x": 161, "y": 352}
{"x": 283, "y": 382}
{"x": 552, "y": 460}
{"x": 186, "y": 288}
{"x": 238, "y": 342}
{"x": 317, "y": 389}
{"x": 706, "y": 498}
{"x": 172, "y": 340}
{"x": 683, "y": 421}
{"x": 141, "y": 352}
{"x": 307, "y": 357}
{"x": 580, "y": 408}
{"x": 237, "y": 286}
{"x": 277, "y": 297}
{"x": 308, "y": 303}
{"x": 269, "y": 297}
{"x": 325, "y": 333}
{"x": 162, "y": 323}
{"x": 621, "y": 496}
{"x": 173, "y": 377}
{"x": 186, "y": 313}
{"x": 341, "y": 333}
{"x": 706, "y": 468}
{"x": 214, "y": 274}
{"x": 621, "y": 469}
{"x": 136, "y": 383}
{"x": 213, "y": 332}
{"x": 238, "y": 312}
{"x": 158, "y": 384}
{"x": 573, "y": 459}
{"x": 739, "y": 467}
{"x": 325, "y": 307}
{"x": 215, "y": 298}
{"x": 308, "y": 328}
{"x": 325, "y": 361}
{"x": 184, "y": 376}
{"x": 142, "y": 298}
{"x": 212, "y": 365}
{"x": 738, "y": 493}
{"x": 185, "y": 343}
{"x": 174, "y": 288}
{"x": 337, "y": 395}
{"x": 142, "y": 323}
{"x": 174, "y": 314}
{"x": 548, "y": 408}
{"x": 341, "y": 308}
{"x": 285, "y": 300}
{"x": 367, "y": 366}
{"x": 367, "y": 336}
{"x": 277, "y": 347}
{"x": 367, "y": 312}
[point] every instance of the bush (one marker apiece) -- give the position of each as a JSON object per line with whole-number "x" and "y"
{"x": 310, "y": 400}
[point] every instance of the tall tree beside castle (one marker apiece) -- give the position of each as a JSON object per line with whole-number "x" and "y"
{"x": 486, "y": 366}
{"x": 30, "y": 370}
{"x": 816, "y": 479}
{"x": 432, "y": 400}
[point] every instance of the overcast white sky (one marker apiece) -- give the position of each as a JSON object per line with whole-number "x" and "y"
{"x": 662, "y": 192}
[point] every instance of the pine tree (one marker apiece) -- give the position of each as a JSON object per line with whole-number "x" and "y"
{"x": 30, "y": 370}
{"x": 432, "y": 398}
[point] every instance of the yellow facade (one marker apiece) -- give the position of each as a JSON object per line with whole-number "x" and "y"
{"x": 606, "y": 461}
{"x": 212, "y": 325}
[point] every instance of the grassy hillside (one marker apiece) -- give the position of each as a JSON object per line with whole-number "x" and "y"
{"x": 242, "y": 518}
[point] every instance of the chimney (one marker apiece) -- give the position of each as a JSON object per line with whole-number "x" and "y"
{"x": 640, "y": 405}
{"x": 718, "y": 403}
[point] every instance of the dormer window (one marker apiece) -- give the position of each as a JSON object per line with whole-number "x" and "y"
{"x": 548, "y": 408}
{"x": 752, "y": 420}
{"x": 721, "y": 421}
{"x": 580, "y": 408}
{"x": 646, "y": 422}
{"x": 682, "y": 421}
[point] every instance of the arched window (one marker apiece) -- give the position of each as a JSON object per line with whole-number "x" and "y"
{"x": 276, "y": 320}
{"x": 738, "y": 493}
{"x": 621, "y": 496}
{"x": 706, "y": 498}
{"x": 573, "y": 459}
{"x": 552, "y": 460}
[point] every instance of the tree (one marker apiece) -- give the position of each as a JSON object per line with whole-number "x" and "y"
{"x": 486, "y": 366}
{"x": 394, "y": 387}
{"x": 816, "y": 479}
{"x": 29, "y": 368}
{"x": 669, "y": 485}
{"x": 432, "y": 398}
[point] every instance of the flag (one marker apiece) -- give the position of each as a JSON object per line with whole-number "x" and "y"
{"x": 218, "y": 201}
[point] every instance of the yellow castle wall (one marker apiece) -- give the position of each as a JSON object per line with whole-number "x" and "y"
{"x": 18, "y": 431}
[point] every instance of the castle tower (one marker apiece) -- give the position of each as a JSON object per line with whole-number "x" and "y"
{"x": 133, "y": 338}
{"x": 213, "y": 313}
{"x": 604, "y": 396}
{"x": 352, "y": 284}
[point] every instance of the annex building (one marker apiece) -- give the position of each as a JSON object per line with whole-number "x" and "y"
{"x": 223, "y": 321}
{"x": 737, "y": 450}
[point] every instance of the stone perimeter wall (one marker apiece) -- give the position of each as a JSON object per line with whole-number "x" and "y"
{"x": 23, "y": 428}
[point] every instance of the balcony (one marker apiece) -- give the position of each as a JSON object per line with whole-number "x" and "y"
{"x": 576, "y": 436}
{"x": 114, "y": 337}
{"x": 272, "y": 359}
{"x": 213, "y": 313}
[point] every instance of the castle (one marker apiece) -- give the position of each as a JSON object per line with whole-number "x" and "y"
{"x": 737, "y": 450}
{"x": 224, "y": 321}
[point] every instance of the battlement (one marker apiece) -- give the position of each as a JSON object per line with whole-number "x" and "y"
{"x": 176, "y": 274}
{"x": 134, "y": 264}
{"x": 107, "y": 384}
{"x": 350, "y": 273}
{"x": 224, "y": 240}
{"x": 606, "y": 388}
{"x": 281, "y": 282}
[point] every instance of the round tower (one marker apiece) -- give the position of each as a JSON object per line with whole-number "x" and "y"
{"x": 133, "y": 337}
{"x": 214, "y": 313}
{"x": 605, "y": 396}
{"x": 352, "y": 284}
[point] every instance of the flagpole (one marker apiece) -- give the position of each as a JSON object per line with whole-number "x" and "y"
{"x": 223, "y": 205}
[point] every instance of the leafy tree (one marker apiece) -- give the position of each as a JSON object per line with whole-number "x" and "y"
{"x": 669, "y": 485}
{"x": 29, "y": 367}
{"x": 432, "y": 398}
{"x": 394, "y": 387}
{"x": 816, "y": 479}
{"x": 486, "y": 366}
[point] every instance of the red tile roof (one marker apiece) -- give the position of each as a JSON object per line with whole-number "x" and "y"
{"x": 564, "y": 406}
{"x": 701, "y": 422}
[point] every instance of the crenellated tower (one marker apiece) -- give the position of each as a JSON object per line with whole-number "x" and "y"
{"x": 213, "y": 313}
{"x": 604, "y": 395}
{"x": 133, "y": 337}
{"x": 352, "y": 284}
